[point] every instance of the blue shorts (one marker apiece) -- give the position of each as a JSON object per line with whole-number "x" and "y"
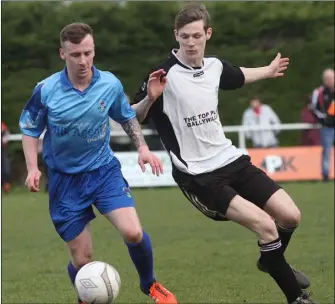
{"x": 71, "y": 197}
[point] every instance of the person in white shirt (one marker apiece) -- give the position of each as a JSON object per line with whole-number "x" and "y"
{"x": 259, "y": 114}
{"x": 181, "y": 96}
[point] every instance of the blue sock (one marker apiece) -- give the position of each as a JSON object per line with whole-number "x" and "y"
{"x": 141, "y": 255}
{"x": 72, "y": 271}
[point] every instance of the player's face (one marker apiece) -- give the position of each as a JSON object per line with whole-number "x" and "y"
{"x": 79, "y": 57}
{"x": 192, "y": 40}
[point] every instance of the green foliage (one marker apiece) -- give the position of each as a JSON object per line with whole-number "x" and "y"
{"x": 133, "y": 38}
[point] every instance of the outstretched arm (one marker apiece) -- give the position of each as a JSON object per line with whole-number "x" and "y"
{"x": 275, "y": 69}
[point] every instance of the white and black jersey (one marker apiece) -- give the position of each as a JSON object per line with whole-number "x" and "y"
{"x": 186, "y": 114}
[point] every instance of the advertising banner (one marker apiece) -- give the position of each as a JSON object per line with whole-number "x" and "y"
{"x": 136, "y": 178}
{"x": 281, "y": 164}
{"x": 291, "y": 163}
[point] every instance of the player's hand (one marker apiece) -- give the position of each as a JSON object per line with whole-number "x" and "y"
{"x": 33, "y": 180}
{"x": 156, "y": 84}
{"x": 147, "y": 157}
{"x": 278, "y": 66}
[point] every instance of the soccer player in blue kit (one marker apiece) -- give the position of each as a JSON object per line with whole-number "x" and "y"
{"x": 74, "y": 105}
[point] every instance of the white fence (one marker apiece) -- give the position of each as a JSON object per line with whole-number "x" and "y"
{"x": 227, "y": 129}
{"x": 135, "y": 176}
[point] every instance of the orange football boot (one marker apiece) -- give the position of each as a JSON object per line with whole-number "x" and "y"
{"x": 161, "y": 295}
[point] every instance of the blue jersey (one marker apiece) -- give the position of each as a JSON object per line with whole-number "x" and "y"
{"x": 77, "y": 123}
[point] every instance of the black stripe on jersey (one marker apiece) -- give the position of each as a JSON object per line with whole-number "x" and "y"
{"x": 181, "y": 64}
{"x": 165, "y": 129}
{"x": 160, "y": 119}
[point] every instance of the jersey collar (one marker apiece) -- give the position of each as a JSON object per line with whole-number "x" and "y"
{"x": 184, "y": 65}
{"x": 66, "y": 83}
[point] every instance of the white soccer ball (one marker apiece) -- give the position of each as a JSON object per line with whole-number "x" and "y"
{"x": 98, "y": 283}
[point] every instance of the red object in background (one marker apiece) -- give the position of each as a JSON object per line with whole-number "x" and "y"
{"x": 309, "y": 137}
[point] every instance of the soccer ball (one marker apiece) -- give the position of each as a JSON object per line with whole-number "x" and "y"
{"x": 98, "y": 283}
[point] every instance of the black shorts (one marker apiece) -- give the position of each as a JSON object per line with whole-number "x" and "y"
{"x": 212, "y": 192}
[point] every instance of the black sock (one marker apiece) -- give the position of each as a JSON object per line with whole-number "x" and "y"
{"x": 279, "y": 270}
{"x": 285, "y": 235}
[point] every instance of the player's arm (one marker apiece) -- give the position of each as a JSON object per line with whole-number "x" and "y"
{"x": 142, "y": 108}
{"x": 275, "y": 69}
{"x": 30, "y": 149}
{"x": 123, "y": 113}
{"x": 134, "y": 131}
{"x": 32, "y": 123}
{"x": 150, "y": 90}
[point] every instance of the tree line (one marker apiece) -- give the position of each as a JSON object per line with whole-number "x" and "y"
{"x": 132, "y": 38}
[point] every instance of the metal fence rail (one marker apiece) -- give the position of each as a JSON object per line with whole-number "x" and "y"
{"x": 227, "y": 129}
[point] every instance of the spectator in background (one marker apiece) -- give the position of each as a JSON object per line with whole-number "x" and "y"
{"x": 309, "y": 137}
{"x": 5, "y": 165}
{"x": 259, "y": 114}
{"x": 323, "y": 105}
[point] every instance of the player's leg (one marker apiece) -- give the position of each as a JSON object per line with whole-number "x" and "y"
{"x": 214, "y": 198}
{"x": 137, "y": 241}
{"x": 243, "y": 212}
{"x": 71, "y": 211}
{"x": 80, "y": 249}
{"x": 250, "y": 216}
{"x": 115, "y": 202}
{"x": 286, "y": 214}
{"x": 254, "y": 185}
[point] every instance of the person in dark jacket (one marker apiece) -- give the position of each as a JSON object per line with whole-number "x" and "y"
{"x": 309, "y": 137}
{"x": 323, "y": 106}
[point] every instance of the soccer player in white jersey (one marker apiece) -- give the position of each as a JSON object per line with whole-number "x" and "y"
{"x": 181, "y": 96}
{"x": 74, "y": 106}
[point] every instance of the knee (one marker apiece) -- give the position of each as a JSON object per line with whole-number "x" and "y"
{"x": 267, "y": 229}
{"x": 132, "y": 235}
{"x": 291, "y": 219}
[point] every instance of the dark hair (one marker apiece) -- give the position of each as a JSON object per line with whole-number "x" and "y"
{"x": 190, "y": 13}
{"x": 255, "y": 98}
{"x": 75, "y": 32}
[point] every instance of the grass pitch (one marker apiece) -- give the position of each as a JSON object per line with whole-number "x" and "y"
{"x": 200, "y": 260}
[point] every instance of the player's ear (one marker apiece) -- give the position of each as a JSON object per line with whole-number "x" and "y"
{"x": 176, "y": 34}
{"x": 209, "y": 33}
{"x": 61, "y": 53}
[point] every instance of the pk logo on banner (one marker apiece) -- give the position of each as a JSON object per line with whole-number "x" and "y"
{"x": 277, "y": 163}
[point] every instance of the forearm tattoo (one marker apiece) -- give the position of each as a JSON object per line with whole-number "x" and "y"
{"x": 134, "y": 131}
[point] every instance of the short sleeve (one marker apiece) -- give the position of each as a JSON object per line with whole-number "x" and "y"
{"x": 33, "y": 118}
{"x": 231, "y": 77}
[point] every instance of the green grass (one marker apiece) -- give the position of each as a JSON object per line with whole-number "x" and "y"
{"x": 200, "y": 260}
